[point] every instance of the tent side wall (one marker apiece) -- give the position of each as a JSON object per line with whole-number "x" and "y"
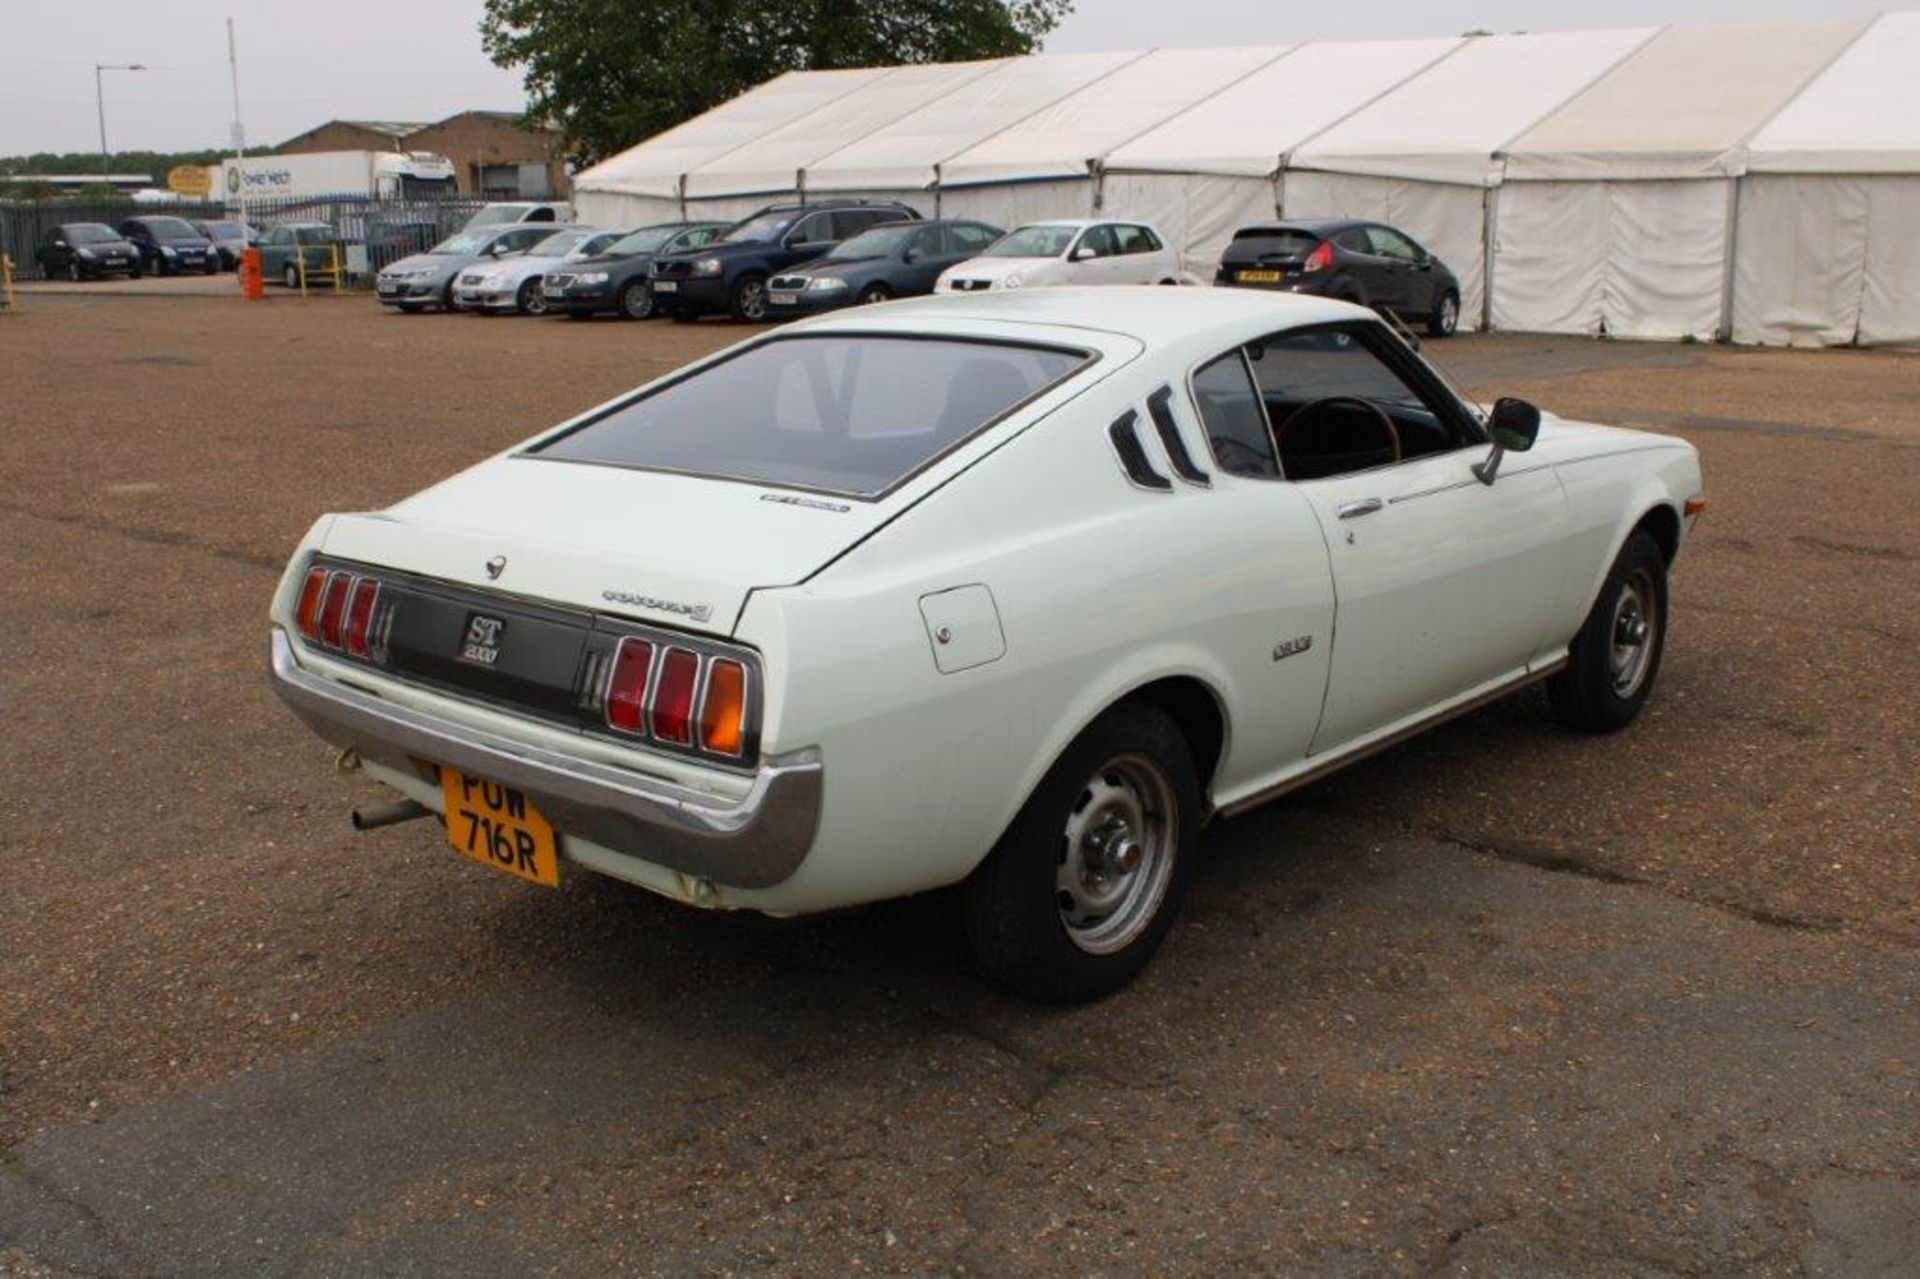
{"x": 1197, "y": 212}
{"x": 1448, "y": 219}
{"x": 617, "y": 209}
{"x": 1008, "y": 204}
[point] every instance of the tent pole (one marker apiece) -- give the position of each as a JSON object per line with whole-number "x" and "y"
{"x": 1727, "y": 266}
{"x": 1489, "y": 215}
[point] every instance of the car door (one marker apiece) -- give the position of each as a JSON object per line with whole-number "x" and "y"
{"x": 927, "y": 253}
{"x": 1444, "y": 586}
{"x": 810, "y": 237}
{"x": 1408, "y": 269}
{"x": 55, "y": 252}
{"x": 1090, "y": 260}
{"x": 1134, "y": 262}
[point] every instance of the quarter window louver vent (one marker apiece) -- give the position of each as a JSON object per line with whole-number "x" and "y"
{"x": 1160, "y": 408}
{"x": 1133, "y": 457}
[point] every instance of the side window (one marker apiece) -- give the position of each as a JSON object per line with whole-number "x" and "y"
{"x": 973, "y": 237}
{"x": 848, "y": 223}
{"x": 1099, "y": 239}
{"x": 1230, "y": 410}
{"x": 539, "y": 215}
{"x": 1137, "y": 239}
{"x": 519, "y": 241}
{"x": 278, "y": 235}
{"x": 815, "y": 228}
{"x": 1353, "y": 240}
{"x": 700, "y": 237}
{"x": 1337, "y": 407}
{"x": 1389, "y": 243}
{"x": 935, "y": 242}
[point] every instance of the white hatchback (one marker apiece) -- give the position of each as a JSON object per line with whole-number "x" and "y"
{"x": 1067, "y": 251}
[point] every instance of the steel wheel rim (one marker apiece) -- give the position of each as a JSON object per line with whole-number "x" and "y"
{"x": 292, "y": 277}
{"x": 753, "y": 300}
{"x": 1632, "y": 633}
{"x": 1116, "y": 854}
{"x": 870, "y": 296}
{"x": 1449, "y": 313}
{"x": 639, "y": 303}
{"x": 536, "y": 300}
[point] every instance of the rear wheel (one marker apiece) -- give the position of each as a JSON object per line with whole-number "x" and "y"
{"x": 291, "y": 276}
{"x": 749, "y": 299}
{"x": 1612, "y": 662}
{"x": 1081, "y": 889}
{"x": 1446, "y": 316}
{"x": 636, "y": 300}
{"x": 875, "y": 292}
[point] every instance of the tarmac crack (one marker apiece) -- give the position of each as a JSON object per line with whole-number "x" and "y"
{"x": 151, "y": 537}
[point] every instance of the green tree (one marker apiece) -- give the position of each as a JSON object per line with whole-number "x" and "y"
{"x": 612, "y": 72}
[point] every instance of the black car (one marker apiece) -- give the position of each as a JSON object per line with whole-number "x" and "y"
{"x": 170, "y": 246}
{"x": 85, "y": 251}
{"x": 229, "y": 239}
{"x": 730, "y": 275}
{"x": 1346, "y": 258}
{"x": 893, "y": 260}
{"x": 615, "y": 282}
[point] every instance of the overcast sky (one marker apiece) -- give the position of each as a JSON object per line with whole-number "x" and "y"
{"x": 420, "y": 59}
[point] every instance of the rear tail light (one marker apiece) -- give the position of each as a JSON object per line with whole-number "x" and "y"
{"x": 333, "y": 608}
{"x": 676, "y": 697}
{"x": 673, "y": 700}
{"x": 307, "y": 616}
{"x": 366, "y": 593}
{"x": 1320, "y": 259}
{"x": 723, "y": 711}
{"x": 627, "y": 687}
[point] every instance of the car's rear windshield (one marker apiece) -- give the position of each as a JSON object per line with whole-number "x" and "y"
{"x": 1273, "y": 242}
{"x": 172, "y": 229}
{"x": 846, "y": 414}
{"x": 91, "y": 233}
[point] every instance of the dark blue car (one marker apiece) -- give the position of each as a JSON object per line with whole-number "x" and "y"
{"x": 730, "y": 275}
{"x": 894, "y": 260}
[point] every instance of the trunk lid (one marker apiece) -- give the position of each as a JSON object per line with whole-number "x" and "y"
{"x": 668, "y": 549}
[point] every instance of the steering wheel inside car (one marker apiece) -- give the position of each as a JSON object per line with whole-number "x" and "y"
{"x": 1305, "y": 411}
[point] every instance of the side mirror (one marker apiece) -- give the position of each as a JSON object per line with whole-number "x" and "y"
{"x": 911, "y": 255}
{"x": 1082, "y": 253}
{"x": 1514, "y": 425}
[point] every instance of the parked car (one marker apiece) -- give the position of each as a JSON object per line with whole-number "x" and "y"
{"x": 893, "y": 260}
{"x": 616, "y": 281}
{"x": 730, "y": 275}
{"x": 170, "y": 246}
{"x": 1350, "y": 259}
{"x": 426, "y": 279}
{"x": 515, "y": 283}
{"x": 288, "y": 249}
{"x": 1068, "y": 251}
{"x": 86, "y": 251}
{"x": 229, "y": 239}
{"x": 1010, "y": 593}
{"x": 508, "y": 212}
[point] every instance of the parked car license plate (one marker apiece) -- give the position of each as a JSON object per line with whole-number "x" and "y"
{"x": 784, "y": 297}
{"x": 1259, "y": 277}
{"x": 666, "y": 286}
{"x": 497, "y": 826}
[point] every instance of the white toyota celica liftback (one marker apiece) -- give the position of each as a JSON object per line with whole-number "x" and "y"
{"x": 1012, "y": 591}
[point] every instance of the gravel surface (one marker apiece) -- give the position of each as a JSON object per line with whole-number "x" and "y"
{"x": 1437, "y": 1010}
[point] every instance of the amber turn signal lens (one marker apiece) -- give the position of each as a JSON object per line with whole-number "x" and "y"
{"x": 1694, "y": 506}
{"x": 307, "y": 616}
{"x": 722, "y": 719}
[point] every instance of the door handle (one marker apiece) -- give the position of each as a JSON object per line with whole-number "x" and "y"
{"x": 1354, "y": 510}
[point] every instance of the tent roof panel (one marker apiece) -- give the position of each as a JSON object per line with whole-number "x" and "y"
{"x": 1858, "y": 116}
{"x": 1058, "y": 140}
{"x": 772, "y": 161}
{"x": 1445, "y": 124}
{"x": 654, "y": 167}
{"x": 903, "y": 154}
{"x": 1245, "y": 128}
{"x": 1682, "y": 106}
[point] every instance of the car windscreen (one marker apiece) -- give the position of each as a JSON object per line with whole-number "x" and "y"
{"x": 753, "y": 230}
{"x": 877, "y": 243}
{"x": 558, "y": 246}
{"x": 846, "y": 414}
{"x": 1033, "y": 242}
{"x": 172, "y": 229}
{"x": 647, "y": 239}
{"x": 466, "y": 244}
{"x": 225, "y": 230}
{"x": 1265, "y": 242}
{"x": 494, "y": 217}
{"x": 91, "y": 233}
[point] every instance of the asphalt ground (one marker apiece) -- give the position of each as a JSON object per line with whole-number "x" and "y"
{"x": 1505, "y": 999}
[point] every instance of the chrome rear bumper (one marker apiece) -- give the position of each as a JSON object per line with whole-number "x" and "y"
{"x": 755, "y": 841}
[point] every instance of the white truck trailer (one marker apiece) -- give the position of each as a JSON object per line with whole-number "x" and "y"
{"x": 364, "y": 175}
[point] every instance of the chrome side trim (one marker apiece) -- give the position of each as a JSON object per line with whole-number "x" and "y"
{"x": 755, "y": 841}
{"x": 1328, "y": 767}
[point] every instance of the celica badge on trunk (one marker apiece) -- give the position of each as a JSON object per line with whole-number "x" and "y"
{"x": 482, "y": 644}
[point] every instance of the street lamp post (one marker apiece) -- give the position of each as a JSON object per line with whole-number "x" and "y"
{"x": 100, "y": 104}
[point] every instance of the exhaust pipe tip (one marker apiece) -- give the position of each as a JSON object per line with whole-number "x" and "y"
{"x": 374, "y": 816}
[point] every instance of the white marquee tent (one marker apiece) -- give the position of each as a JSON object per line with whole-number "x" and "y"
{"x": 1648, "y": 182}
{"x": 1829, "y": 218}
{"x": 1617, "y": 210}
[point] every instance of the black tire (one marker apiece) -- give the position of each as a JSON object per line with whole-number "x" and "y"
{"x": 635, "y": 301}
{"x": 875, "y": 292}
{"x": 1015, "y": 905}
{"x": 748, "y": 299}
{"x": 1445, "y": 319}
{"x": 529, "y": 300}
{"x": 290, "y": 276}
{"x": 1613, "y": 661}
{"x": 136, "y": 272}
{"x": 211, "y": 266}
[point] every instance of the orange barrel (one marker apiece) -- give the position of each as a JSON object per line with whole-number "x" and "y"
{"x": 251, "y": 286}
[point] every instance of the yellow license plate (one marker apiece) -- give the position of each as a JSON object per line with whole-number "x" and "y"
{"x": 1259, "y": 277}
{"x": 497, "y": 826}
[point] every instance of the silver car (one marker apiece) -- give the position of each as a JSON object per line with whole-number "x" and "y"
{"x": 427, "y": 279}
{"x": 514, "y": 284}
